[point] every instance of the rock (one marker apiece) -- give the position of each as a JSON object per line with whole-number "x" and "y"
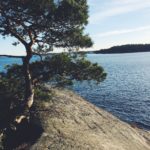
{"x": 71, "y": 123}
{"x": 1, "y": 141}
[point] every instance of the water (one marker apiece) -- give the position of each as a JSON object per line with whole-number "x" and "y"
{"x": 7, "y": 61}
{"x": 125, "y": 92}
{"x": 4, "y": 61}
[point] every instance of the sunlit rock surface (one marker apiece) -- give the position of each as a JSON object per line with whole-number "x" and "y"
{"x": 71, "y": 123}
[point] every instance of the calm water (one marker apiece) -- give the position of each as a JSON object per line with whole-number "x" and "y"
{"x": 7, "y": 61}
{"x": 125, "y": 92}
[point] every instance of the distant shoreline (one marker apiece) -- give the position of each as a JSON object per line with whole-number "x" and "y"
{"x": 120, "y": 52}
{"x": 130, "y": 48}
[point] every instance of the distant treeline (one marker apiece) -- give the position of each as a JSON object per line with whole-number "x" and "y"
{"x": 131, "y": 48}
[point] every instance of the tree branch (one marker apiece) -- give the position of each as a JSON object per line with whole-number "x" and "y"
{"x": 15, "y": 34}
{"x": 40, "y": 55}
{"x": 18, "y": 37}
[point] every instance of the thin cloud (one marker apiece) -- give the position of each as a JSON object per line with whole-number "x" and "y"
{"x": 124, "y": 31}
{"x": 116, "y": 8}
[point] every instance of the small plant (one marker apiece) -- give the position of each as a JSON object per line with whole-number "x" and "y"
{"x": 42, "y": 93}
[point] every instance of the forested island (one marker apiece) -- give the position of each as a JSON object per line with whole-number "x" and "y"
{"x": 129, "y": 48}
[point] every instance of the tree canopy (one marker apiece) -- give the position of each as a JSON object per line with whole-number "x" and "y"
{"x": 45, "y": 23}
{"x": 41, "y": 25}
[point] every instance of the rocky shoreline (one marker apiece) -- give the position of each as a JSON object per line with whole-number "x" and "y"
{"x": 71, "y": 123}
{"x": 68, "y": 122}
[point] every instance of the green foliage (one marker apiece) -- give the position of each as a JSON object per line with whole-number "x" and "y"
{"x": 68, "y": 68}
{"x": 45, "y": 23}
{"x": 56, "y": 70}
{"x": 42, "y": 93}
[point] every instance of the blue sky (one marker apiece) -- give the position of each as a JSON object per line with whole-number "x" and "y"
{"x": 117, "y": 22}
{"x": 111, "y": 22}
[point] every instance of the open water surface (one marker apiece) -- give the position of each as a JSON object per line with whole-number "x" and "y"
{"x": 126, "y": 91}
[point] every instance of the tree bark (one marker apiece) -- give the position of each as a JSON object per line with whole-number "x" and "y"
{"x": 29, "y": 87}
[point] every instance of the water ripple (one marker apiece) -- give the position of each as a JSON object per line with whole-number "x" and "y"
{"x": 126, "y": 91}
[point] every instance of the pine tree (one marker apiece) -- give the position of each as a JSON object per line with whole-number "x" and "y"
{"x": 42, "y": 25}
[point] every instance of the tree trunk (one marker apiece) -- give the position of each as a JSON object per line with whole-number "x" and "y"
{"x": 29, "y": 87}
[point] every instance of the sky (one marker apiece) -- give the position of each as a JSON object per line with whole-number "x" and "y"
{"x": 111, "y": 22}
